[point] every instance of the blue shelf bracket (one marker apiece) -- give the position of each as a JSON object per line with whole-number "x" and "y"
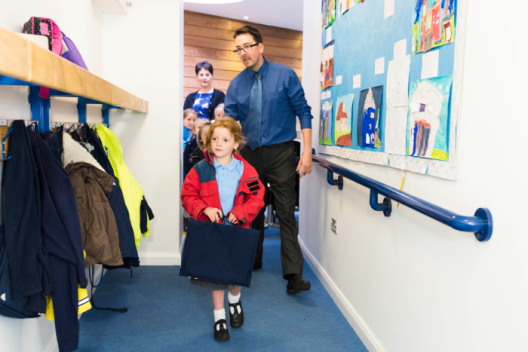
{"x": 106, "y": 114}
{"x": 81, "y": 109}
{"x": 39, "y": 109}
{"x": 385, "y": 207}
{"x": 332, "y": 182}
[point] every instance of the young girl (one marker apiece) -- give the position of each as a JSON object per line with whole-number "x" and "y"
{"x": 189, "y": 116}
{"x": 234, "y": 193}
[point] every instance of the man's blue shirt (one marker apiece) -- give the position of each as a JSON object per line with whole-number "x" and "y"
{"x": 282, "y": 100}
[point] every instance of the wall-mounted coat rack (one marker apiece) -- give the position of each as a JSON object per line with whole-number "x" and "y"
{"x": 25, "y": 63}
{"x": 71, "y": 125}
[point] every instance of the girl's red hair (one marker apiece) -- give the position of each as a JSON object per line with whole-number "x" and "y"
{"x": 232, "y": 126}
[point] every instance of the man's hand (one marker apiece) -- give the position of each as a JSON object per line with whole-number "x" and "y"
{"x": 232, "y": 219}
{"x": 213, "y": 214}
{"x": 305, "y": 164}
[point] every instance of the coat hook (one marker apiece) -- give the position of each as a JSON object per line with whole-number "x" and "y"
{"x": 3, "y": 145}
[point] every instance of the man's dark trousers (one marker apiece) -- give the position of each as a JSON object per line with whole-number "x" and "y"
{"x": 276, "y": 165}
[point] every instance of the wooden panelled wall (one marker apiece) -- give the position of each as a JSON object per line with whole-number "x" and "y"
{"x": 210, "y": 38}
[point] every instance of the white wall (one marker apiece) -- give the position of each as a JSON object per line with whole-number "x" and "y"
{"x": 408, "y": 283}
{"x": 143, "y": 53}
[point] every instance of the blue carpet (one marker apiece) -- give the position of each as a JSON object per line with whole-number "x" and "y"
{"x": 167, "y": 313}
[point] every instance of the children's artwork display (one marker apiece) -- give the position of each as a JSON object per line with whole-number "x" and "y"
{"x": 391, "y": 83}
{"x": 368, "y": 122}
{"x": 343, "y": 6}
{"x": 429, "y": 117}
{"x": 343, "y": 120}
{"x": 327, "y": 66}
{"x": 433, "y": 24}
{"x": 328, "y": 12}
{"x": 325, "y": 126}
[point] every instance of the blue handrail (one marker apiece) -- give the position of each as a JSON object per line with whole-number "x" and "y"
{"x": 481, "y": 224}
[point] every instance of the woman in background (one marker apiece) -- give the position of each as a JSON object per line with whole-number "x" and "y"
{"x": 207, "y": 98}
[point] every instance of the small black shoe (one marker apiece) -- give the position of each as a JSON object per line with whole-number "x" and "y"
{"x": 236, "y": 319}
{"x": 257, "y": 266}
{"x": 220, "y": 331}
{"x": 296, "y": 284}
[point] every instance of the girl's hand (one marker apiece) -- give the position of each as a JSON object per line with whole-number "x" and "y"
{"x": 232, "y": 219}
{"x": 213, "y": 214}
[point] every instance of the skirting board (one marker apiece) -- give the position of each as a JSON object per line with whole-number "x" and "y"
{"x": 358, "y": 324}
{"x": 52, "y": 346}
{"x": 160, "y": 259}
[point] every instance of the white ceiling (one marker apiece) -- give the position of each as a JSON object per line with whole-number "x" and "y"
{"x": 278, "y": 13}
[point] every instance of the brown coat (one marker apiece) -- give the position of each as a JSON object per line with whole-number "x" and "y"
{"x": 98, "y": 225}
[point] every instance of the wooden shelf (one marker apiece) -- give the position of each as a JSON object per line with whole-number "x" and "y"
{"x": 26, "y": 61}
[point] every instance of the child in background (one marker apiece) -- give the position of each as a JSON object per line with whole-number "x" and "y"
{"x": 197, "y": 125}
{"x": 191, "y": 145}
{"x": 235, "y": 193}
{"x": 189, "y": 116}
{"x": 219, "y": 112}
{"x": 198, "y": 154}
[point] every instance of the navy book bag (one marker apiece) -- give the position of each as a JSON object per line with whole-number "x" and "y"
{"x": 219, "y": 253}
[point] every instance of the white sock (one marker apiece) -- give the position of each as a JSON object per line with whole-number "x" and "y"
{"x": 219, "y": 314}
{"x": 232, "y": 300}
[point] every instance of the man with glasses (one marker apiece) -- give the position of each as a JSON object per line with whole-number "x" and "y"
{"x": 266, "y": 98}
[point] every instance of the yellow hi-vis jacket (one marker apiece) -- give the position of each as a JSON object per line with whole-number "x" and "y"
{"x": 84, "y": 304}
{"x": 132, "y": 192}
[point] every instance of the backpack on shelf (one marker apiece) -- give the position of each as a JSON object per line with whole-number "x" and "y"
{"x": 72, "y": 54}
{"x": 47, "y": 27}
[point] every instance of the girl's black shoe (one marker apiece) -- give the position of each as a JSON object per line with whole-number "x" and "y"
{"x": 236, "y": 319}
{"x": 220, "y": 331}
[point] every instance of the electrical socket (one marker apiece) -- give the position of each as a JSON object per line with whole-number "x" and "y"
{"x": 333, "y": 225}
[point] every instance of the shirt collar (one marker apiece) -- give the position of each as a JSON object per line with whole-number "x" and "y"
{"x": 262, "y": 70}
{"x": 229, "y": 167}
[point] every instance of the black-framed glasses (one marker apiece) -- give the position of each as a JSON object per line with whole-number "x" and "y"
{"x": 246, "y": 48}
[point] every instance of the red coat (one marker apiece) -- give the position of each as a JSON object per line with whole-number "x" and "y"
{"x": 200, "y": 191}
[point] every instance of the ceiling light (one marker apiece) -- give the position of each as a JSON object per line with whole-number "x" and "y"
{"x": 212, "y": 1}
{"x": 246, "y": 17}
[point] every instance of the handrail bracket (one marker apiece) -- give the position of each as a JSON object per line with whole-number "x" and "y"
{"x": 385, "y": 207}
{"x": 332, "y": 182}
{"x": 485, "y": 215}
